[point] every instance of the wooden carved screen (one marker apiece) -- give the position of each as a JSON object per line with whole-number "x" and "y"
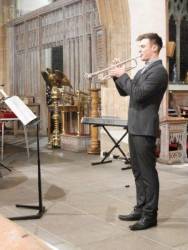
{"x": 26, "y": 58}
{"x": 69, "y": 25}
{"x": 178, "y": 28}
{"x": 100, "y": 52}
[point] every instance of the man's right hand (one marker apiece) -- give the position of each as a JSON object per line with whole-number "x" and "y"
{"x": 116, "y": 71}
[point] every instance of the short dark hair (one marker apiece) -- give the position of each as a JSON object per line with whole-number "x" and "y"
{"x": 154, "y": 37}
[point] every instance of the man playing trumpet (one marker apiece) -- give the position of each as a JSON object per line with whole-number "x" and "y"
{"x": 146, "y": 91}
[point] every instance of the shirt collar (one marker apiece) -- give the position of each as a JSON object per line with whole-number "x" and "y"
{"x": 148, "y": 63}
{"x": 152, "y": 61}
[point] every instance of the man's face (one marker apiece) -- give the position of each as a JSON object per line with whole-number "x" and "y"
{"x": 147, "y": 50}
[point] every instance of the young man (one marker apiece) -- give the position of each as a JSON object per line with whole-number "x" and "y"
{"x": 146, "y": 91}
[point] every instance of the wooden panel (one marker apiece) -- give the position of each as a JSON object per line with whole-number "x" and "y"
{"x": 100, "y": 50}
{"x": 74, "y": 23}
{"x": 15, "y": 237}
{"x": 180, "y": 97}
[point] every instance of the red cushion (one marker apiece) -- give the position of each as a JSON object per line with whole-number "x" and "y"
{"x": 7, "y": 115}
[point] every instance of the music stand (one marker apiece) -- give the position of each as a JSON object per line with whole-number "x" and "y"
{"x": 3, "y": 166}
{"x": 41, "y": 209}
{"x": 27, "y": 117}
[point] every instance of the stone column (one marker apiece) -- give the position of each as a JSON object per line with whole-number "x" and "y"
{"x": 2, "y": 44}
{"x": 7, "y": 12}
{"x": 114, "y": 15}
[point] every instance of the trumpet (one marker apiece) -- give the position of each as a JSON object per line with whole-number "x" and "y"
{"x": 104, "y": 73}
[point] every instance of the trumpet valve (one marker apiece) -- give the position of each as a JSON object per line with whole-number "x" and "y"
{"x": 101, "y": 76}
{"x": 88, "y": 75}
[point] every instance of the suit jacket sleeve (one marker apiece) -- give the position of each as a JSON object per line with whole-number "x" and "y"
{"x": 121, "y": 84}
{"x": 147, "y": 87}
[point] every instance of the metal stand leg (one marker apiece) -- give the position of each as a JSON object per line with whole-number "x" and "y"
{"x": 41, "y": 209}
{"x": 2, "y": 147}
{"x": 26, "y": 141}
{"x": 2, "y": 140}
{"x": 116, "y": 145}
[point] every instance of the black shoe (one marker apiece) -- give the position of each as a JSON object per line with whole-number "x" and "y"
{"x": 143, "y": 223}
{"x": 131, "y": 217}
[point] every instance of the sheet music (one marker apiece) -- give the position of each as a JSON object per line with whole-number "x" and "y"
{"x": 20, "y": 109}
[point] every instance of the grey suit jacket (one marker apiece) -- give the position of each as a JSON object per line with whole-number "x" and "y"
{"x": 146, "y": 91}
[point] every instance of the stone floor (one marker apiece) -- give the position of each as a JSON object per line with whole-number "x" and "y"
{"x": 83, "y": 201}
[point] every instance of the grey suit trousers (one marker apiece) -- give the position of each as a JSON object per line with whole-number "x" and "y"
{"x": 143, "y": 161}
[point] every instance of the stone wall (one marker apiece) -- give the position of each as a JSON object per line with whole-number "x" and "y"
{"x": 123, "y": 20}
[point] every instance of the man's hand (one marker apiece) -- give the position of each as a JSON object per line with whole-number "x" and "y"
{"x": 116, "y": 71}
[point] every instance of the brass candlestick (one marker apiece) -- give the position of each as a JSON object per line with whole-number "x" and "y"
{"x": 55, "y": 140}
{"x": 54, "y": 80}
{"x": 186, "y": 78}
{"x": 95, "y": 143}
{"x": 82, "y": 101}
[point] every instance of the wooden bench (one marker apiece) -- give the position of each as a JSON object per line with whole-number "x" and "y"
{"x": 14, "y": 237}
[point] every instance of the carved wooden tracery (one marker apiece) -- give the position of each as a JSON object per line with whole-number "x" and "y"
{"x": 178, "y": 8}
{"x": 178, "y": 14}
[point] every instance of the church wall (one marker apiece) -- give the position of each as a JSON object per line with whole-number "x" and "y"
{"x": 148, "y": 16}
{"x": 70, "y": 24}
{"x": 124, "y": 21}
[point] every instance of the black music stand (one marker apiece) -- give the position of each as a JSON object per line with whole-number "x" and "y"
{"x": 41, "y": 209}
{"x": 27, "y": 117}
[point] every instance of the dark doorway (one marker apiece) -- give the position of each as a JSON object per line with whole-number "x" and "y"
{"x": 57, "y": 58}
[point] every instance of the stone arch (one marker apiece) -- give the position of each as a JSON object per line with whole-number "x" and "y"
{"x": 114, "y": 15}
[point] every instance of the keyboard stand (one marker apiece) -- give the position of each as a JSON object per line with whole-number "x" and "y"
{"x": 109, "y": 121}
